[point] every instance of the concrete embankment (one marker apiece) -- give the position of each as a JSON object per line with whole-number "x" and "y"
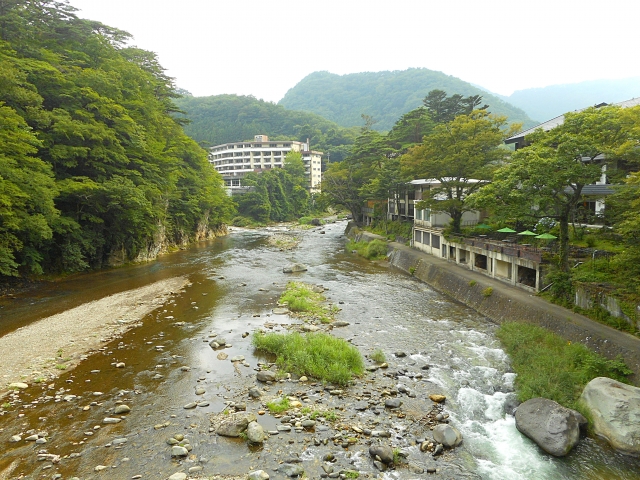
{"x": 507, "y": 303}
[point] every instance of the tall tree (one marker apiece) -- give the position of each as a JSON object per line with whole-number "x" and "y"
{"x": 411, "y": 128}
{"x": 546, "y": 179}
{"x": 349, "y": 183}
{"x": 443, "y": 108}
{"x": 27, "y": 190}
{"x": 461, "y": 155}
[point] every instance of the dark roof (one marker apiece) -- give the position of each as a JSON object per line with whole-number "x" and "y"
{"x": 554, "y": 122}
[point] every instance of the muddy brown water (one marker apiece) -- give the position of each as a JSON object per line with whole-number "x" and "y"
{"x": 235, "y": 284}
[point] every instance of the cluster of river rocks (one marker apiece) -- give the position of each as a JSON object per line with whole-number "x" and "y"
{"x": 329, "y": 431}
{"x": 613, "y": 406}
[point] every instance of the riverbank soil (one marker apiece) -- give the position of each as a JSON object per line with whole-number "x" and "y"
{"x": 41, "y": 350}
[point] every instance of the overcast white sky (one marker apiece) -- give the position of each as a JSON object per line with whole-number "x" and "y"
{"x": 263, "y": 48}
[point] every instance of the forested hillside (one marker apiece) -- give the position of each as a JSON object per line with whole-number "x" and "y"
{"x": 93, "y": 167}
{"x": 385, "y": 96}
{"x": 545, "y": 103}
{"x": 233, "y": 118}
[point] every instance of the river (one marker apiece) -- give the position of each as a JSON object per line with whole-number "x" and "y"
{"x": 235, "y": 283}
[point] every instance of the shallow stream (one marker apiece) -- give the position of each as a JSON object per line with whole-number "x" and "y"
{"x": 235, "y": 284}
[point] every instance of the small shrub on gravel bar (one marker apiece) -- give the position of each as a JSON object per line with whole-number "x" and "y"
{"x": 317, "y": 355}
{"x": 301, "y": 299}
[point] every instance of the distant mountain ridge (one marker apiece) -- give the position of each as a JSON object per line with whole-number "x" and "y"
{"x": 548, "y": 102}
{"x": 383, "y": 95}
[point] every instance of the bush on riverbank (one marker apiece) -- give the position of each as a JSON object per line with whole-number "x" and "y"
{"x": 313, "y": 221}
{"x": 373, "y": 250}
{"x": 318, "y": 355}
{"x": 548, "y": 366}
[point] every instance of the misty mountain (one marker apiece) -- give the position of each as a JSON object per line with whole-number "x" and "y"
{"x": 383, "y": 95}
{"x": 548, "y": 102}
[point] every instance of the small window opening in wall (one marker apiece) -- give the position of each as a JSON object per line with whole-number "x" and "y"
{"x": 481, "y": 261}
{"x": 527, "y": 276}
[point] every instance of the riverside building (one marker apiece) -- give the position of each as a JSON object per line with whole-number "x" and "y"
{"x": 234, "y": 160}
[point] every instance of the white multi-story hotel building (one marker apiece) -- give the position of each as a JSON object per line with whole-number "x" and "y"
{"x": 234, "y": 160}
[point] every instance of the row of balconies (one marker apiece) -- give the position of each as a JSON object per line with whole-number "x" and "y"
{"x": 252, "y": 145}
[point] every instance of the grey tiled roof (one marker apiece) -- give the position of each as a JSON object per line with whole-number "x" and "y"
{"x": 597, "y": 190}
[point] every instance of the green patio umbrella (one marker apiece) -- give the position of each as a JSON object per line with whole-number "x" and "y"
{"x": 506, "y": 230}
{"x": 547, "y": 236}
{"x": 528, "y": 233}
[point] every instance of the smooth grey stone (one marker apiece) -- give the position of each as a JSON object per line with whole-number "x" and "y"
{"x": 392, "y": 403}
{"x": 291, "y": 470}
{"x": 178, "y": 451}
{"x": 120, "y": 409}
{"x": 258, "y": 475}
{"x": 255, "y": 432}
{"x": 266, "y": 376}
{"x": 383, "y": 452}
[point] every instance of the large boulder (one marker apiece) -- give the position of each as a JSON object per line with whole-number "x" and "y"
{"x": 447, "y": 435}
{"x": 554, "y": 428}
{"x": 615, "y": 410}
{"x": 296, "y": 267}
{"x": 235, "y": 424}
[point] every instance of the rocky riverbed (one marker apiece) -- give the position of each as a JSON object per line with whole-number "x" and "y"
{"x": 150, "y": 403}
{"x": 382, "y": 423}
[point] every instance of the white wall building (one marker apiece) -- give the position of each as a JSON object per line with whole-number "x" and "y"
{"x": 234, "y": 160}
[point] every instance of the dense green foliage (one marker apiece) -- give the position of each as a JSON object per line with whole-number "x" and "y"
{"x": 318, "y": 355}
{"x": 373, "y": 250}
{"x": 461, "y": 154}
{"x": 232, "y": 118}
{"x": 91, "y": 161}
{"x": 385, "y": 96}
{"x": 545, "y": 103}
{"x": 442, "y": 139}
{"x": 548, "y": 366}
{"x": 278, "y": 194}
{"x": 524, "y": 189}
{"x": 392, "y": 229}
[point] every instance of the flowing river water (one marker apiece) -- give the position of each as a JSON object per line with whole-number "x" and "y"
{"x": 235, "y": 282}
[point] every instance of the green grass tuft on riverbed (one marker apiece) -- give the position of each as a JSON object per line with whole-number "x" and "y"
{"x": 300, "y": 298}
{"x": 318, "y": 355}
{"x": 549, "y": 366}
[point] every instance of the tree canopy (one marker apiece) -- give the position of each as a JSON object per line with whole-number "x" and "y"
{"x": 546, "y": 178}
{"x": 91, "y": 160}
{"x": 461, "y": 155}
{"x": 276, "y": 194}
